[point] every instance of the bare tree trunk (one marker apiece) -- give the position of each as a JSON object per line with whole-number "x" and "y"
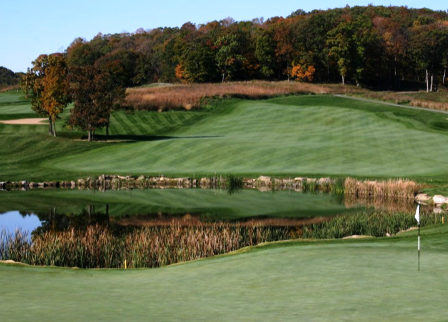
{"x": 444, "y": 76}
{"x": 50, "y": 129}
{"x": 343, "y": 80}
{"x": 427, "y": 81}
{"x": 54, "y": 129}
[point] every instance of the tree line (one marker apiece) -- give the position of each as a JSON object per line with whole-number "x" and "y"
{"x": 380, "y": 47}
{"x": 8, "y": 77}
{"x": 51, "y": 85}
{"x": 376, "y": 46}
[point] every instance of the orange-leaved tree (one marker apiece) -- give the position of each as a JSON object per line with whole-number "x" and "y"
{"x": 302, "y": 73}
{"x": 46, "y": 84}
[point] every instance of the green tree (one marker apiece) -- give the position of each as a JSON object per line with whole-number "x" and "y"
{"x": 265, "y": 53}
{"x": 196, "y": 58}
{"x": 228, "y": 58}
{"x": 350, "y": 42}
{"x": 430, "y": 47}
{"x": 94, "y": 93}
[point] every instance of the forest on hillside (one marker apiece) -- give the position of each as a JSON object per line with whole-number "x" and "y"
{"x": 8, "y": 78}
{"x": 379, "y": 47}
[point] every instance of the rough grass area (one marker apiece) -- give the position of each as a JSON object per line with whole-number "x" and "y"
{"x": 435, "y": 101}
{"x": 195, "y": 96}
{"x": 350, "y": 280}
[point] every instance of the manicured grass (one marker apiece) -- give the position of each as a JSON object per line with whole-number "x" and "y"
{"x": 14, "y": 105}
{"x": 354, "y": 280}
{"x": 312, "y": 135}
{"x": 300, "y": 135}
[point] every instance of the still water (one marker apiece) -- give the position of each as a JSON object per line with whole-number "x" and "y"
{"x": 57, "y": 209}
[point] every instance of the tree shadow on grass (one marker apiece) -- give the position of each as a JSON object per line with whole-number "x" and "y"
{"x": 141, "y": 138}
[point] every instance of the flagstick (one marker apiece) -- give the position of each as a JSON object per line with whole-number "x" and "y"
{"x": 417, "y": 217}
{"x": 418, "y": 246}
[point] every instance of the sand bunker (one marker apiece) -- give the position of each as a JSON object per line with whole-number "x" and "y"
{"x": 36, "y": 121}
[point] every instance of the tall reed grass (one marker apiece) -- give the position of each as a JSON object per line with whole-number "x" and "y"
{"x": 377, "y": 224}
{"x": 435, "y": 101}
{"x": 391, "y": 189}
{"x": 97, "y": 247}
{"x": 193, "y": 96}
{"x": 441, "y": 106}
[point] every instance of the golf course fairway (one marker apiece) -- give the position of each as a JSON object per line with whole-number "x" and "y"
{"x": 308, "y": 135}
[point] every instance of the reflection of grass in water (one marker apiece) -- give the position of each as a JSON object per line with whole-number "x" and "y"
{"x": 218, "y": 203}
{"x": 391, "y": 205}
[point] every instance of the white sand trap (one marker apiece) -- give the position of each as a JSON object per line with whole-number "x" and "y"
{"x": 38, "y": 121}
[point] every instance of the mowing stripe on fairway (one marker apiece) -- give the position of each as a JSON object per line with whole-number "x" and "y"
{"x": 265, "y": 137}
{"x": 297, "y": 135}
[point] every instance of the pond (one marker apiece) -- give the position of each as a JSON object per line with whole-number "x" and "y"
{"x": 155, "y": 227}
{"x": 32, "y": 209}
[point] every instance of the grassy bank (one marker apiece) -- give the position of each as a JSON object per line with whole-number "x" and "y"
{"x": 362, "y": 280}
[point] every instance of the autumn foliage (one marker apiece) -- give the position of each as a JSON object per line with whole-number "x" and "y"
{"x": 385, "y": 48}
{"x": 303, "y": 73}
{"x": 47, "y": 85}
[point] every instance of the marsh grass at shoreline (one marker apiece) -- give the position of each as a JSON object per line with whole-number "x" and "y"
{"x": 98, "y": 247}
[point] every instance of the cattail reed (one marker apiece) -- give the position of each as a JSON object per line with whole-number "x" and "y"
{"x": 377, "y": 224}
{"x": 394, "y": 189}
{"x": 97, "y": 247}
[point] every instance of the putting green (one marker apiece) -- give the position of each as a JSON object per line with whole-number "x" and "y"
{"x": 354, "y": 280}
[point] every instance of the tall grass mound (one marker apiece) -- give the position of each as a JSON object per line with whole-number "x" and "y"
{"x": 434, "y": 101}
{"x": 191, "y": 96}
{"x": 391, "y": 189}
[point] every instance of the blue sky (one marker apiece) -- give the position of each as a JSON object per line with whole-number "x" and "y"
{"x": 33, "y": 27}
